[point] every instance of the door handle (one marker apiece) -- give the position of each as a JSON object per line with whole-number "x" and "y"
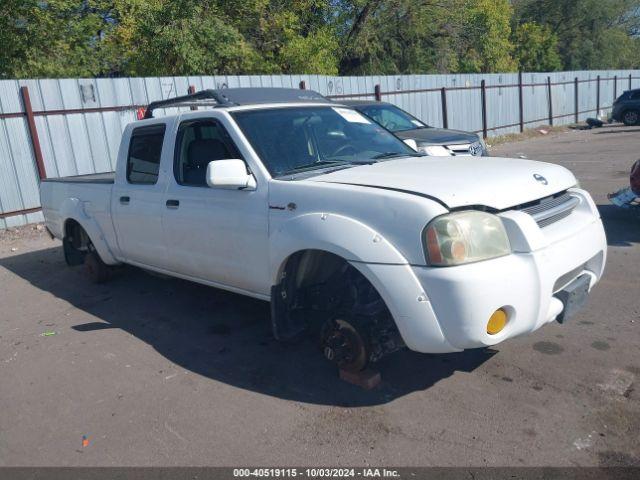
{"x": 173, "y": 203}
{"x": 124, "y": 200}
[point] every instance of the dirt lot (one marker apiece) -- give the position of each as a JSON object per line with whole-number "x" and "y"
{"x": 155, "y": 371}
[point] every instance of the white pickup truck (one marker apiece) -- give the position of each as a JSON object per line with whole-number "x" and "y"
{"x": 282, "y": 195}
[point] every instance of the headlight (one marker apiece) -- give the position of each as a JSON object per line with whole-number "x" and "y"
{"x": 434, "y": 150}
{"x": 465, "y": 237}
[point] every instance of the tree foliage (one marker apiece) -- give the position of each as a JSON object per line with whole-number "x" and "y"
{"x": 488, "y": 47}
{"x": 536, "y": 48}
{"x": 51, "y": 39}
{"x": 55, "y": 38}
{"x": 592, "y": 34}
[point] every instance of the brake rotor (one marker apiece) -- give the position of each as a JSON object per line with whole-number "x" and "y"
{"x": 343, "y": 345}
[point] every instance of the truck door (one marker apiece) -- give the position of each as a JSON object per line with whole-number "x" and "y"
{"x": 212, "y": 234}
{"x": 137, "y": 200}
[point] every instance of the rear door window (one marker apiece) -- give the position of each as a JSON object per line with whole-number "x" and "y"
{"x": 145, "y": 151}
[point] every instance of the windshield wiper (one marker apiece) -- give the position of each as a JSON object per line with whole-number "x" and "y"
{"x": 314, "y": 165}
{"x": 391, "y": 155}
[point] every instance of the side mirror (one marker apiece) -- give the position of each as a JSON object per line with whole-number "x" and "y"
{"x": 229, "y": 174}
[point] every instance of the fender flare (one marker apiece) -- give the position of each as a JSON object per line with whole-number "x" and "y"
{"x": 343, "y": 236}
{"x": 72, "y": 209}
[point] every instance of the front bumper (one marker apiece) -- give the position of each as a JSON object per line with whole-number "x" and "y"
{"x": 441, "y": 310}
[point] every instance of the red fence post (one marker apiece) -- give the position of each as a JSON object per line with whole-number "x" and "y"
{"x": 520, "y": 102}
{"x": 597, "y": 96}
{"x": 377, "y": 93}
{"x": 302, "y": 85}
{"x": 443, "y": 99}
{"x": 575, "y": 99}
{"x": 483, "y": 99}
{"x": 550, "y": 100}
{"x": 33, "y": 132}
{"x": 191, "y": 90}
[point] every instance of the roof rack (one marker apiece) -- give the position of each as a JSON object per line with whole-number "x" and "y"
{"x": 194, "y": 99}
{"x": 253, "y": 95}
{"x": 228, "y": 97}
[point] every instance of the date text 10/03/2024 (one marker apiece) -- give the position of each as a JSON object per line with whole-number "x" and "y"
{"x": 316, "y": 472}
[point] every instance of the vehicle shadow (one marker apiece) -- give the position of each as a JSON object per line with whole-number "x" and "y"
{"x": 621, "y": 225}
{"x": 224, "y": 336}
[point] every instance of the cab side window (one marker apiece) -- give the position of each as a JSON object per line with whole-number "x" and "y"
{"x": 198, "y": 143}
{"x": 145, "y": 151}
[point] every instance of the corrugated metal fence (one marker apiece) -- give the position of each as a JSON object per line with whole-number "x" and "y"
{"x": 72, "y": 126}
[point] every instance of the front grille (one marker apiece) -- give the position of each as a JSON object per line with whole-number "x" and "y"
{"x": 549, "y": 210}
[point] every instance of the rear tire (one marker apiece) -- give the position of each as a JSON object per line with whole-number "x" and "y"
{"x": 631, "y": 117}
{"x": 97, "y": 271}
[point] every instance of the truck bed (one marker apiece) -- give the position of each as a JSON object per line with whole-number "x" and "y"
{"x": 106, "y": 177}
{"x": 59, "y": 196}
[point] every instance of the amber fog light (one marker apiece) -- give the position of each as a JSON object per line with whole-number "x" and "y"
{"x": 497, "y": 322}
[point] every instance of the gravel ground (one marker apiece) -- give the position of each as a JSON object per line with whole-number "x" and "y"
{"x": 156, "y": 371}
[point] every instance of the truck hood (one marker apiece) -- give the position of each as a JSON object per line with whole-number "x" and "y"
{"x": 437, "y": 136}
{"x": 498, "y": 183}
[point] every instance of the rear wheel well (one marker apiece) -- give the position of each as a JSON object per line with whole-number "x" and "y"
{"x": 78, "y": 250}
{"x": 315, "y": 287}
{"x": 76, "y": 242}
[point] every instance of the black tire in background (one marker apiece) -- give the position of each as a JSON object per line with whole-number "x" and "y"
{"x": 631, "y": 117}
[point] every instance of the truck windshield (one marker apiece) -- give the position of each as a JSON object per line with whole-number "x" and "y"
{"x": 294, "y": 139}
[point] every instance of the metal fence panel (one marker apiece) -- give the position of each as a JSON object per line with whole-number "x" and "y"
{"x": 18, "y": 176}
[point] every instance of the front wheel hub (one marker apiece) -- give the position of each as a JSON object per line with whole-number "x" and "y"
{"x": 343, "y": 345}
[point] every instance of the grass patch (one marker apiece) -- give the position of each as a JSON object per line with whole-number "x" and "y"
{"x": 527, "y": 134}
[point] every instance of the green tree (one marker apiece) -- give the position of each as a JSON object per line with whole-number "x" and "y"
{"x": 177, "y": 37}
{"x": 420, "y": 36}
{"x": 486, "y": 31}
{"x": 182, "y": 37}
{"x": 291, "y": 36}
{"x": 315, "y": 53}
{"x": 536, "y": 48}
{"x": 592, "y": 34}
{"x": 51, "y": 38}
{"x": 56, "y": 38}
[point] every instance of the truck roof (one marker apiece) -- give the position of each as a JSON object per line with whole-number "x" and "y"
{"x": 233, "y": 97}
